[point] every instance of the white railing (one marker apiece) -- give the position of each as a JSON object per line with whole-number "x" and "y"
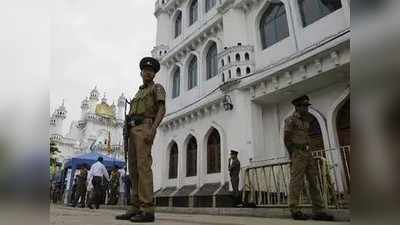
{"x": 268, "y": 185}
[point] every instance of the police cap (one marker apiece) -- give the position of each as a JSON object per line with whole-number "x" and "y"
{"x": 150, "y": 62}
{"x": 303, "y": 100}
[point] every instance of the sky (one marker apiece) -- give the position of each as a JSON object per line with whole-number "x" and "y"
{"x": 98, "y": 43}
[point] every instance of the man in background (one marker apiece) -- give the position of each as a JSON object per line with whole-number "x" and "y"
{"x": 96, "y": 174}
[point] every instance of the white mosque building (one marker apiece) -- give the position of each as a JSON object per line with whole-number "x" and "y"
{"x": 230, "y": 69}
{"x": 98, "y": 124}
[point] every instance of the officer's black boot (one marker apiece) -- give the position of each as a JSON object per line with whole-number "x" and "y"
{"x": 298, "y": 215}
{"x": 143, "y": 217}
{"x": 126, "y": 216}
{"x": 322, "y": 216}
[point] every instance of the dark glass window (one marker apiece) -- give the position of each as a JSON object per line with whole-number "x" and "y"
{"x": 214, "y": 152}
{"x": 238, "y": 72}
{"x": 211, "y": 61}
{"x": 193, "y": 12}
{"x": 178, "y": 24}
{"x": 173, "y": 162}
{"x": 313, "y": 10}
{"x": 237, "y": 57}
{"x": 247, "y": 56}
{"x": 210, "y": 4}
{"x": 248, "y": 70}
{"x": 273, "y": 25}
{"x": 192, "y": 73}
{"x": 176, "y": 80}
{"x": 191, "y": 160}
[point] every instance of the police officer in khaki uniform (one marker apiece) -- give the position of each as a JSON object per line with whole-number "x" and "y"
{"x": 114, "y": 186}
{"x": 297, "y": 140}
{"x": 81, "y": 186}
{"x": 146, "y": 112}
{"x": 234, "y": 170}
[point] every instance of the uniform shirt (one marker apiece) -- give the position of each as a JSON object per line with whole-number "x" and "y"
{"x": 299, "y": 127}
{"x": 146, "y": 101}
{"x": 99, "y": 170}
{"x": 82, "y": 177}
{"x": 234, "y": 167}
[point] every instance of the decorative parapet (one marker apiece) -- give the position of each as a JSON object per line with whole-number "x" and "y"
{"x": 104, "y": 121}
{"x": 159, "y": 51}
{"x": 56, "y": 138}
{"x": 235, "y": 62}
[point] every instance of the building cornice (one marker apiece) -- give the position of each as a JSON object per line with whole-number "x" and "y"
{"x": 193, "y": 114}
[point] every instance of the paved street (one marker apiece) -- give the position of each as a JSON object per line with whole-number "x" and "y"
{"x": 60, "y": 215}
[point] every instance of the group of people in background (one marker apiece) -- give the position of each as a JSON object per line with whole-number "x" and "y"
{"x": 94, "y": 185}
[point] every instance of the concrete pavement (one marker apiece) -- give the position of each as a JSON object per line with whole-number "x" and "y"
{"x": 61, "y": 215}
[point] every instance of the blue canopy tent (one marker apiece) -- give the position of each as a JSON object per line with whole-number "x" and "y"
{"x": 89, "y": 159}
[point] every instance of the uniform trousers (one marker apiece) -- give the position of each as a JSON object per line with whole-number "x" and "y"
{"x": 140, "y": 172}
{"x": 303, "y": 164}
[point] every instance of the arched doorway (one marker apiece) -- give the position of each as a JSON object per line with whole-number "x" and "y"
{"x": 343, "y": 130}
{"x": 214, "y": 152}
{"x": 316, "y": 138}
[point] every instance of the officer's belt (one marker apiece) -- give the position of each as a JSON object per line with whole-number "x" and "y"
{"x": 138, "y": 120}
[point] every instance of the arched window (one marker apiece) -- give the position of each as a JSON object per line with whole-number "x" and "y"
{"x": 192, "y": 73}
{"x": 176, "y": 80}
{"x": 210, "y": 4}
{"x": 238, "y": 72}
{"x": 211, "y": 61}
{"x": 178, "y": 24}
{"x": 193, "y": 12}
{"x": 223, "y": 77}
{"x": 237, "y": 57}
{"x": 313, "y": 10}
{"x": 173, "y": 162}
{"x": 248, "y": 70}
{"x": 222, "y": 62}
{"x": 229, "y": 59}
{"x": 191, "y": 157}
{"x": 247, "y": 56}
{"x": 273, "y": 25}
{"x": 214, "y": 152}
{"x": 229, "y": 74}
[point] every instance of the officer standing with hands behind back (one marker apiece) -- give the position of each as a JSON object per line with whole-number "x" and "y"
{"x": 145, "y": 115}
{"x": 297, "y": 141}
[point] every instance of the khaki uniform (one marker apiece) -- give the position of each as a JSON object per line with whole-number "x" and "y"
{"x": 234, "y": 170}
{"x": 81, "y": 187}
{"x": 303, "y": 163}
{"x": 114, "y": 187}
{"x": 145, "y": 104}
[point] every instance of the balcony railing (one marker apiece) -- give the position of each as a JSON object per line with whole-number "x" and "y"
{"x": 268, "y": 185}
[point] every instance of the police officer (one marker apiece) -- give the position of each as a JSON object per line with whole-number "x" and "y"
{"x": 114, "y": 186}
{"x": 234, "y": 170}
{"x": 297, "y": 140}
{"x": 81, "y": 186}
{"x": 146, "y": 112}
